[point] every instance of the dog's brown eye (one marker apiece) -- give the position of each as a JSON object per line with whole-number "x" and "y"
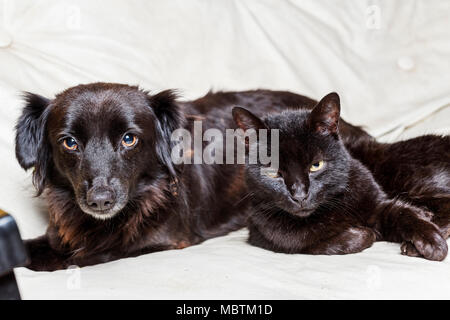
{"x": 129, "y": 140}
{"x": 70, "y": 144}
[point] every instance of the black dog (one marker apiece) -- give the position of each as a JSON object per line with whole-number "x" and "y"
{"x": 102, "y": 157}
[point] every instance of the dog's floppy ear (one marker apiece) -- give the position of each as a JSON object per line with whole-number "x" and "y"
{"x": 31, "y": 148}
{"x": 170, "y": 118}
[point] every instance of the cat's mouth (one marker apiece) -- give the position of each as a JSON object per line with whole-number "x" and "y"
{"x": 302, "y": 212}
{"x": 299, "y": 209}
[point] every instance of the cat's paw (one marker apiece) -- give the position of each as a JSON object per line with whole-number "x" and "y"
{"x": 429, "y": 244}
{"x": 408, "y": 249}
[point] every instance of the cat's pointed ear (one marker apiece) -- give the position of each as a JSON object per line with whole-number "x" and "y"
{"x": 324, "y": 118}
{"x": 247, "y": 120}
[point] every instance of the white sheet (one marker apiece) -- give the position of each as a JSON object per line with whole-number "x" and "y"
{"x": 388, "y": 60}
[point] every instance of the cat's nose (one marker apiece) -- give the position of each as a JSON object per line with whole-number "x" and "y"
{"x": 299, "y": 192}
{"x": 301, "y": 198}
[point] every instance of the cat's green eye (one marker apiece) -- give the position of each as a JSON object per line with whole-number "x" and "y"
{"x": 316, "y": 166}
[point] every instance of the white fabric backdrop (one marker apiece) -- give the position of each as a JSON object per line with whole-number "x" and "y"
{"x": 388, "y": 60}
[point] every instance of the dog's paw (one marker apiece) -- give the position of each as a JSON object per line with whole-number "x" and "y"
{"x": 42, "y": 257}
{"x": 428, "y": 244}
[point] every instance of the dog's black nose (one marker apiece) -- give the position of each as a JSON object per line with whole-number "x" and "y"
{"x": 101, "y": 199}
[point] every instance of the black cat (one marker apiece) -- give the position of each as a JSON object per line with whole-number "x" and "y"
{"x": 322, "y": 200}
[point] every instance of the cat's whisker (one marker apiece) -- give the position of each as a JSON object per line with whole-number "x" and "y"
{"x": 247, "y": 195}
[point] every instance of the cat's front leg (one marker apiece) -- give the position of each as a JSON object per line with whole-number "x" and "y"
{"x": 350, "y": 240}
{"x": 43, "y": 257}
{"x": 412, "y": 226}
{"x": 427, "y": 242}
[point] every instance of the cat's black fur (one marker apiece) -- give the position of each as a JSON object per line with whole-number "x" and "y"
{"x": 341, "y": 208}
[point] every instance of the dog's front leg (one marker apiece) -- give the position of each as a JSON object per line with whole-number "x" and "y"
{"x": 43, "y": 257}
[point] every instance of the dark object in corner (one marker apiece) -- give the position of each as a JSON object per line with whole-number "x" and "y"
{"x": 12, "y": 255}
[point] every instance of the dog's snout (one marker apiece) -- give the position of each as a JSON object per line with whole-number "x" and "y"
{"x": 101, "y": 198}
